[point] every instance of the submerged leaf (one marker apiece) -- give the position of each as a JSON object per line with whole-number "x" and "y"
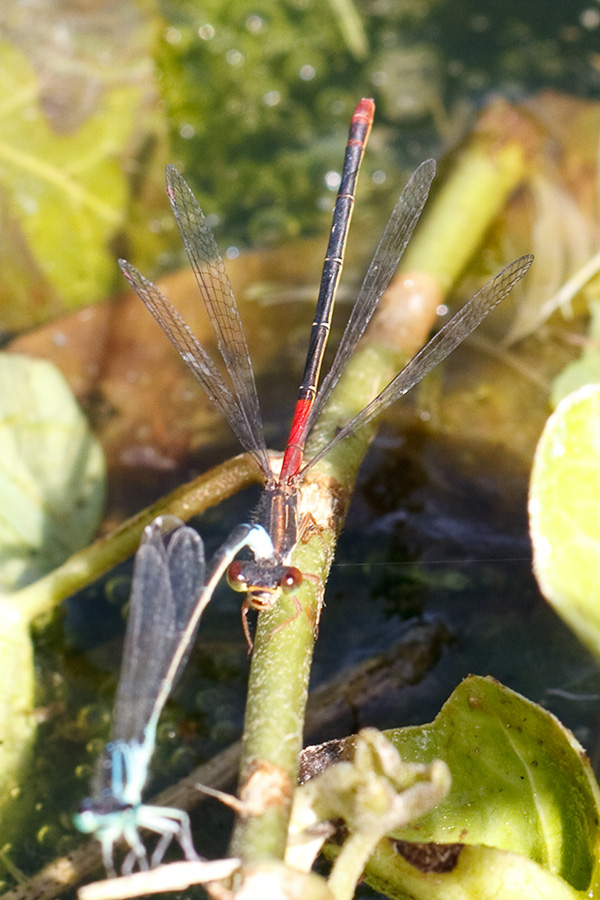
{"x": 564, "y": 512}
{"x": 51, "y": 472}
{"x": 63, "y": 187}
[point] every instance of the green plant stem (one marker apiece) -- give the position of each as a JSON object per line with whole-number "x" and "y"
{"x": 349, "y": 865}
{"x": 483, "y": 180}
{"x": 465, "y": 206}
{"x": 87, "y": 565}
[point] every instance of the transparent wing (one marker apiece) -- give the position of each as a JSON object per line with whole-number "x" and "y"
{"x": 219, "y": 300}
{"x": 392, "y": 245}
{"x": 437, "y": 349}
{"x": 168, "y": 578}
{"x": 199, "y": 362}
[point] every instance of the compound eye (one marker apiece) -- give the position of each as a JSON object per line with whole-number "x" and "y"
{"x": 235, "y": 577}
{"x": 86, "y": 821}
{"x": 291, "y": 580}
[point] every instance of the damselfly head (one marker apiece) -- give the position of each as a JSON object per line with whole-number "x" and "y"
{"x": 263, "y": 582}
{"x": 86, "y": 819}
{"x": 104, "y": 804}
{"x": 99, "y": 812}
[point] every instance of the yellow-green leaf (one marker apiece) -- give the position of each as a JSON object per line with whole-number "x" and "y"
{"x": 522, "y": 816}
{"x": 17, "y": 720}
{"x": 51, "y": 498}
{"x": 63, "y": 185}
{"x": 51, "y": 471}
{"x": 564, "y": 512}
{"x": 469, "y": 873}
{"x": 585, "y": 370}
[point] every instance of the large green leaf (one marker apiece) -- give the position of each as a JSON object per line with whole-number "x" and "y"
{"x": 51, "y": 499}
{"x": 63, "y": 186}
{"x": 521, "y": 818}
{"x": 564, "y": 512}
{"x": 52, "y": 476}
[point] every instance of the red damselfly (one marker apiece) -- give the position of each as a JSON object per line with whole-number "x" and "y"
{"x": 270, "y": 571}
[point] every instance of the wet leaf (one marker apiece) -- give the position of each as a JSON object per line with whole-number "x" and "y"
{"x": 52, "y": 472}
{"x": 521, "y": 818}
{"x": 564, "y": 512}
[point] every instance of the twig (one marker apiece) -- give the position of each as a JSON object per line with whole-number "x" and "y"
{"x": 90, "y": 564}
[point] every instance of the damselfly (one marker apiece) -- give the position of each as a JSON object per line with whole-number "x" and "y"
{"x": 171, "y": 588}
{"x": 263, "y": 577}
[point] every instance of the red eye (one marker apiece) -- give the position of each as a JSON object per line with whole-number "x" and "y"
{"x": 291, "y": 580}
{"x": 235, "y": 577}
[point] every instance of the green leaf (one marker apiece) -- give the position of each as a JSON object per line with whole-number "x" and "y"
{"x": 585, "y": 370}
{"x": 564, "y": 512}
{"x": 51, "y": 497}
{"x": 521, "y": 818}
{"x": 63, "y": 186}
{"x": 52, "y": 475}
{"x": 17, "y": 721}
{"x": 476, "y": 873}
